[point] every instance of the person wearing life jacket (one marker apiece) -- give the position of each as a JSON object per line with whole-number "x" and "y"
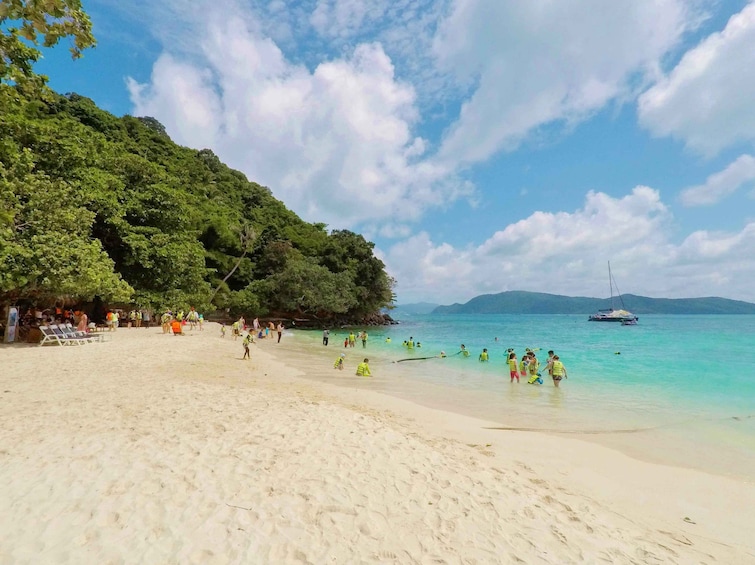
{"x": 523, "y": 364}
{"x": 363, "y": 369}
{"x": 339, "y": 362}
{"x": 513, "y": 374}
{"x": 410, "y": 343}
{"x": 387, "y": 340}
{"x": 484, "y": 356}
{"x": 247, "y": 340}
{"x": 463, "y": 350}
{"x": 235, "y": 330}
{"x": 352, "y": 339}
{"x": 558, "y": 371}
{"x": 176, "y": 327}
{"x": 532, "y": 368}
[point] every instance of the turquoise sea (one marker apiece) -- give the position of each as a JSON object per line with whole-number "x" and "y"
{"x": 673, "y": 389}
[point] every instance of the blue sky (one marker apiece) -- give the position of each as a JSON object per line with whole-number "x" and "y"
{"x": 484, "y": 146}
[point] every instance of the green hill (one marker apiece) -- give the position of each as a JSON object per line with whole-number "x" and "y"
{"x": 96, "y": 205}
{"x": 522, "y": 302}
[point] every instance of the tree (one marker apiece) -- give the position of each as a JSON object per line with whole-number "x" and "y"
{"x": 247, "y": 235}
{"x": 42, "y": 23}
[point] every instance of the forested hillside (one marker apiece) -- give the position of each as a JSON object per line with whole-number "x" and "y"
{"x": 96, "y": 205}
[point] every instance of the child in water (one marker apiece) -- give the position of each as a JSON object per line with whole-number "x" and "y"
{"x": 512, "y": 367}
{"x": 532, "y": 369}
{"x": 484, "y": 356}
{"x": 339, "y": 362}
{"x": 363, "y": 369}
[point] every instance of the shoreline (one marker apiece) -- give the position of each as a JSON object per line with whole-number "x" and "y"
{"x": 684, "y": 440}
{"x": 152, "y": 447}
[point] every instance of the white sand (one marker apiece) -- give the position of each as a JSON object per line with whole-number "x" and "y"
{"x": 160, "y": 449}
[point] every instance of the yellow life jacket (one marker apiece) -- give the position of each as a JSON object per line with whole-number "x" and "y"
{"x": 558, "y": 369}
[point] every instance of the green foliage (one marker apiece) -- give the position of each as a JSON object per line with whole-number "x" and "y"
{"x": 92, "y": 205}
{"x": 28, "y": 23}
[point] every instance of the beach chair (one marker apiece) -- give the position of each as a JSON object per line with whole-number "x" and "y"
{"x": 72, "y": 332}
{"x": 49, "y": 336}
{"x": 66, "y": 338}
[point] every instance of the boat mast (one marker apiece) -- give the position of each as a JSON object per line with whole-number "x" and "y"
{"x": 610, "y": 283}
{"x": 613, "y": 283}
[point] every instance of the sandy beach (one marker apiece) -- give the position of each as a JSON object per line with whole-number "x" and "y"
{"x": 151, "y": 448}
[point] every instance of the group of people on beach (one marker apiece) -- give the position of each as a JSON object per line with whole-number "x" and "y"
{"x": 256, "y": 329}
{"x": 174, "y": 322}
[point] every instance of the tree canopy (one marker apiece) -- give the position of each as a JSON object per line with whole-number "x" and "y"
{"x": 95, "y": 205}
{"x": 28, "y": 23}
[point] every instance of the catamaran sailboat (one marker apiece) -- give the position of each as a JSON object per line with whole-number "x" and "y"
{"x": 610, "y": 314}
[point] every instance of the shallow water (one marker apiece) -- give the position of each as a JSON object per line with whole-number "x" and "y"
{"x": 673, "y": 389}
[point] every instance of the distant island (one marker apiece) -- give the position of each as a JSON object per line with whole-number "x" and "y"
{"x": 523, "y": 302}
{"x": 418, "y": 308}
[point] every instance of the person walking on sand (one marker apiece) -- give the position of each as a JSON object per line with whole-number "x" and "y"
{"x": 280, "y": 330}
{"x": 558, "y": 371}
{"x": 235, "y": 330}
{"x": 247, "y": 340}
{"x": 363, "y": 369}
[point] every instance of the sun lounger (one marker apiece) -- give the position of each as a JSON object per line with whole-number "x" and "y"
{"x": 70, "y": 331}
{"x": 63, "y": 336}
{"x": 49, "y": 336}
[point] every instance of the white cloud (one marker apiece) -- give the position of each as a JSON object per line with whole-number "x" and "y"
{"x": 335, "y": 143}
{"x": 707, "y": 99}
{"x": 721, "y": 184}
{"x": 566, "y": 253}
{"x": 538, "y": 62}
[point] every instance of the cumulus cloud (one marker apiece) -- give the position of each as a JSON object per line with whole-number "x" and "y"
{"x": 721, "y": 184}
{"x": 534, "y": 63}
{"x": 707, "y": 99}
{"x": 566, "y": 253}
{"x": 334, "y": 143}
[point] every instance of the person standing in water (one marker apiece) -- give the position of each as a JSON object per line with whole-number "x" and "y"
{"x": 363, "y": 337}
{"x": 558, "y": 371}
{"x": 484, "y": 356}
{"x": 513, "y": 374}
{"x": 280, "y": 330}
{"x": 325, "y": 336}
